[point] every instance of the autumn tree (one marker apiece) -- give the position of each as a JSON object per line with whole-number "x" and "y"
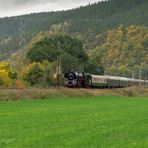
{"x": 7, "y": 74}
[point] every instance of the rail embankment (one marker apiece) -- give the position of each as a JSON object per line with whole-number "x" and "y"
{"x": 20, "y": 94}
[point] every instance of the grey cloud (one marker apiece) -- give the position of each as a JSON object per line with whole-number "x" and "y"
{"x": 17, "y": 7}
{"x": 34, "y": 2}
{"x": 7, "y": 4}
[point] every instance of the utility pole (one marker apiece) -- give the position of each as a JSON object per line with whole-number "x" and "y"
{"x": 133, "y": 75}
{"x": 140, "y": 75}
{"x": 104, "y": 71}
{"x": 58, "y": 69}
{"x": 106, "y": 66}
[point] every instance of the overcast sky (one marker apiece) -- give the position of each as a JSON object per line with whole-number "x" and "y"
{"x": 17, "y": 7}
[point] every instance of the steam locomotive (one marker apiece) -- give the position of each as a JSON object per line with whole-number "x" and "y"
{"x": 75, "y": 79}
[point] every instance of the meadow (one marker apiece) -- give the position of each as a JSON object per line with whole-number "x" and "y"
{"x": 75, "y": 122}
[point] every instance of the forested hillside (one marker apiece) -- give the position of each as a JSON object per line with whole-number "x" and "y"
{"x": 88, "y": 21}
{"x": 123, "y": 51}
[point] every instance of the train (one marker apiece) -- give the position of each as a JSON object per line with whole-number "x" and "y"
{"x": 75, "y": 79}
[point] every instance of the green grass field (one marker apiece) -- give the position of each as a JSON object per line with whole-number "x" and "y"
{"x": 95, "y": 122}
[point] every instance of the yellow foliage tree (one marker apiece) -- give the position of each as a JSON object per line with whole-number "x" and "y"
{"x": 7, "y": 74}
{"x": 4, "y": 78}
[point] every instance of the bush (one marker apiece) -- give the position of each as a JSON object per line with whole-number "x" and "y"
{"x": 18, "y": 84}
{"x": 33, "y": 73}
{"x": 39, "y": 74}
{"x": 4, "y": 79}
{"x": 7, "y": 74}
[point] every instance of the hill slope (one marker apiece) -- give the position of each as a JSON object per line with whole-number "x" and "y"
{"x": 16, "y": 32}
{"x": 123, "y": 51}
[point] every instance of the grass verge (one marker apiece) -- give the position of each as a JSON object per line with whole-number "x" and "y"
{"x": 18, "y": 94}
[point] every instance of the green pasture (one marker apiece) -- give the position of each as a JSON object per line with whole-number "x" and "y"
{"x": 85, "y": 122}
